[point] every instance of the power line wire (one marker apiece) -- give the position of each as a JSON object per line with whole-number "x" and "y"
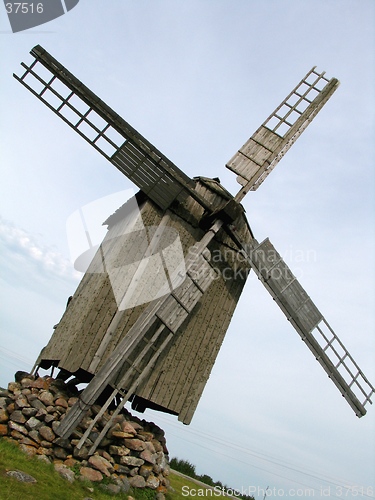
{"x": 267, "y": 458}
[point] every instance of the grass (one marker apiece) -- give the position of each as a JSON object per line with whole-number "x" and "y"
{"x": 178, "y": 482}
{"x": 50, "y": 485}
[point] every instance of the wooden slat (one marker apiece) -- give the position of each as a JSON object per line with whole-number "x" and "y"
{"x": 187, "y": 294}
{"x": 146, "y": 174}
{"x": 204, "y": 365}
{"x": 285, "y": 286}
{"x": 215, "y": 321}
{"x": 109, "y": 343}
{"x": 193, "y": 358}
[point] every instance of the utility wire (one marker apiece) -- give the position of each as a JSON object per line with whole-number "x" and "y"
{"x": 267, "y": 458}
{"x": 340, "y": 485}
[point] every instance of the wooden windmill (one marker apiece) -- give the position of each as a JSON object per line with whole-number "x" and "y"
{"x": 159, "y": 354}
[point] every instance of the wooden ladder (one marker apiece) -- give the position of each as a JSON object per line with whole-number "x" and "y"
{"x": 151, "y": 336}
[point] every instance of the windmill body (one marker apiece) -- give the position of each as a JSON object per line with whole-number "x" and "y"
{"x": 159, "y": 352}
{"x": 80, "y": 344}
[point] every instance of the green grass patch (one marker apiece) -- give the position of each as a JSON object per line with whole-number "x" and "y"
{"x": 177, "y": 483}
{"x": 189, "y": 489}
{"x": 51, "y": 485}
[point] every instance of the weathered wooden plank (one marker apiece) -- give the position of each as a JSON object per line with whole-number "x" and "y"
{"x": 171, "y": 305}
{"x": 186, "y": 237}
{"x": 214, "y": 324}
{"x": 188, "y": 294}
{"x": 172, "y": 314}
{"x": 193, "y": 353}
{"x": 284, "y": 285}
{"x": 114, "y": 336}
{"x": 68, "y": 329}
{"x": 123, "y": 251}
{"x": 86, "y": 331}
{"x": 255, "y": 152}
{"x": 111, "y": 367}
{"x": 203, "y": 370}
{"x": 97, "y": 350}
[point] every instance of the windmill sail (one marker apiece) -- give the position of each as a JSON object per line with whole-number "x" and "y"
{"x": 311, "y": 325}
{"x": 265, "y": 148}
{"x": 106, "y": 131}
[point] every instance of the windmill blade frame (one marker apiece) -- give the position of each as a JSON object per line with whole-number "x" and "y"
{"x": 309, "y": 323}
{"x": 265, "y": 148}
{"x": 160, "y": 179}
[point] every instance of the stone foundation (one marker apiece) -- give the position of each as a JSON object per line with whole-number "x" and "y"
{"x": 132, "y": 454}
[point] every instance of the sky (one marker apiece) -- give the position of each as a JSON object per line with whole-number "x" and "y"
{"x": 196, "y": 79}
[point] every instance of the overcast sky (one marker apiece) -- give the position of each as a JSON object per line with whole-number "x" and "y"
{"x": 196, "y": 79}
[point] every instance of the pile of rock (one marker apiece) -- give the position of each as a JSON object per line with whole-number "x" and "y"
{"x": 132, "y": 454}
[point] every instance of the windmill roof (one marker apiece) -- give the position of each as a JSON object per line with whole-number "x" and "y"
{"x": 215, "y": 185}
{"x": 126, "y": 208}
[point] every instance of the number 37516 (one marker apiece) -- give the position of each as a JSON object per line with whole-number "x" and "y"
{"x": 24, "y": 8}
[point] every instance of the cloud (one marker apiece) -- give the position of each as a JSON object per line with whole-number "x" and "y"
{"x": 35, "y": 279}
{"x": 27, "y": 261}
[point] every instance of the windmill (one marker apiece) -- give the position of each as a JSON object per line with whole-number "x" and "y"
{"x": 159, "y": 352}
